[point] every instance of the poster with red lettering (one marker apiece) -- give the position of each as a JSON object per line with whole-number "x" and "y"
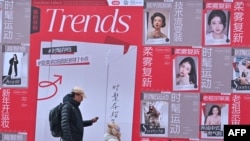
{"x": 172, "y": 22}
{"x": 91, "y": 45}
{"x": 224, "y": 23}
{"x": 218, "y": 110}
{"x": 163, "y": 115}
{"x": 217, "y": 27}
{"x": 186, "y": 68}
{"x": 213, "y": 115}
{"x": 16, "y": 101}
{"x": 164, "y": 70}
{"x": 162, "y": 67}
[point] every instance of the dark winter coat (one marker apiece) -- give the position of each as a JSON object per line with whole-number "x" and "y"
{"x": 12, "y": 62}
{"x": 72, "y": 123}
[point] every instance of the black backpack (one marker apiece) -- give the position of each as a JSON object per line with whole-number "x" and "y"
{"x": 55, "y": 120}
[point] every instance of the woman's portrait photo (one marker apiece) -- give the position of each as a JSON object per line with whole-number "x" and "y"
{"x": 214, "y": 115}
{"x": 186, "y": 72}
{"x": 13, "y": 65}
{"x": 157, "y": 27}
{"x": 158, "y": 21}
{"x": 15, "y": 69}
{"x": 217, "y": 27}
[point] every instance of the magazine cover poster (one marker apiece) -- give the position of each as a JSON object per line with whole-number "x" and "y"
{"x": 163, "y": 114}
{"x": 241, "y": 70}
{"x": 217, "y": 25}
{"x": 186, "y": 66}
{"x": 92, "y": 54}
{"x": 171, "y": 22}
{"x": 240, "y": 10}
{"x": 214, "y": 115}
{"x": 215, "y": 61}
{"x": 154, "y": 114}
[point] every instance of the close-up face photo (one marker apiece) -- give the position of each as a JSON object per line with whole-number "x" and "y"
{"x": 215, "y": 111}
{"x": 157, "y": 22}
{"x": 217, "y": 25}
{"x": 185, "y": 69}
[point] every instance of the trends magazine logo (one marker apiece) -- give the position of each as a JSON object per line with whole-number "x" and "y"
{"x": 114, "y": 23}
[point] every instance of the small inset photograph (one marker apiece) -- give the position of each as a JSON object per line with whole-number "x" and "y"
{"x": 15, "y": 69}
{"x": 217, "y": 27}
{"x": 154, "y": 116}
{"x": 241, "y": 74}
{"x": 213, "y": 118}
{"x": 242, "y": 70}
{"x": 157, "y": 26}
{"x": 185, "y": 73}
